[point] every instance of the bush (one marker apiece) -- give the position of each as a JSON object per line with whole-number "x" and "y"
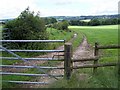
{"x": 26, "y": 27}
{"x": 61, "y": 25}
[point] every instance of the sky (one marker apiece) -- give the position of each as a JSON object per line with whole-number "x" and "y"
{"x": 13, "y": 8}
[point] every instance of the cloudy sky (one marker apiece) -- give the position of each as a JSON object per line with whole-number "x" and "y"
{"x": 12, "y": 8}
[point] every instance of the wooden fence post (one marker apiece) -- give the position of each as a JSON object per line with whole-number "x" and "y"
{"x": 67, "y": 60}
{"x": 95, "y": 54}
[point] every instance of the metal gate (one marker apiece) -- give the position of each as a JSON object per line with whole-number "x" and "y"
{"x": 39, "y": 68}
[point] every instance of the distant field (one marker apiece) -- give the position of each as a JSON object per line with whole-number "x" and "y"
{"x": 96, "y": 27}
{"x": 102, "y": 34}
{"x": 0, "y": 31}
{"x": 0, "y": 27}
{"x": 87, "y": 20}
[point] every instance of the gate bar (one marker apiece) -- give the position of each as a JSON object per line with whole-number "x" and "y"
{"x": 40, "y": 67}
{"x": 32, "y": 41}
{"x": 34, "y": 50}
{"x": 27, "y": 74}
{"x": 25, "y": 61}
{"x": 27, "y": 82}
{"x": 47, "y": 59}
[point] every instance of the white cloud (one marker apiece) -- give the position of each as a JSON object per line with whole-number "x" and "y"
{"x": 105, "y": 7}
{"x": 12, "y": 8}
{"x": 78, "y": 7}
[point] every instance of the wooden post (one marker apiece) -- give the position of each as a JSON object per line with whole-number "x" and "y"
{"x": 68, "y": 62}
{"x": 95, "y": 54}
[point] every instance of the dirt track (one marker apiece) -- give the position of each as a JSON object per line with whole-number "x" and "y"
{"x": 83, "y": 51}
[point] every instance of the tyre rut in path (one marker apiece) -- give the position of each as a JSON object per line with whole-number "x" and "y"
{"x": 83, "y": 51}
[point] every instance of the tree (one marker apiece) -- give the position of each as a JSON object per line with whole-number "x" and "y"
{"x": 53, "y": 20}
{"x": 118, "y": 20}
{"x": 26, "y": 27}
{"x": 49, "y": 20}
{"x": 61, "y": 25}
{"x": 94, "y": 22}
{"x": 65, "y": 25}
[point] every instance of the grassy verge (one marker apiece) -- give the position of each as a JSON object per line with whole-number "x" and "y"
{"x": 106, "y": 77}
{"x": 55, "y": 34}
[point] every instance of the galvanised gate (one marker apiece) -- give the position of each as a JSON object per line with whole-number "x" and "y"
{"x": 39, "y": 68}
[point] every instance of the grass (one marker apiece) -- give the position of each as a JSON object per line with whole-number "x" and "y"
{"x": 53, "y": 35}
{"x": 90, "y": 81}
{"x": 59, "y": 34}
{"x": 100, "y": 34}
{"x": 106, "y": 77}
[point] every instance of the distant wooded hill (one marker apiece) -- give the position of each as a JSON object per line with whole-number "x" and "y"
{"x": 85, "y": 17}
{"x": 68, "y": 18}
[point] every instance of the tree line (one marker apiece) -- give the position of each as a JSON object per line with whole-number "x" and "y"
{"x": 95, "y": 22}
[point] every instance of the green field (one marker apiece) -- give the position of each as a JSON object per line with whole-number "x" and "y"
{"x": 0, "y": 31}
{"x": 104, "y": 36}
{"x": 87, "y": 20}
{"x": 0, "y": 27}
{"x": 106, "y": 77}
{"x": 95, "y": 27}
{"x": 101, "y": 34}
